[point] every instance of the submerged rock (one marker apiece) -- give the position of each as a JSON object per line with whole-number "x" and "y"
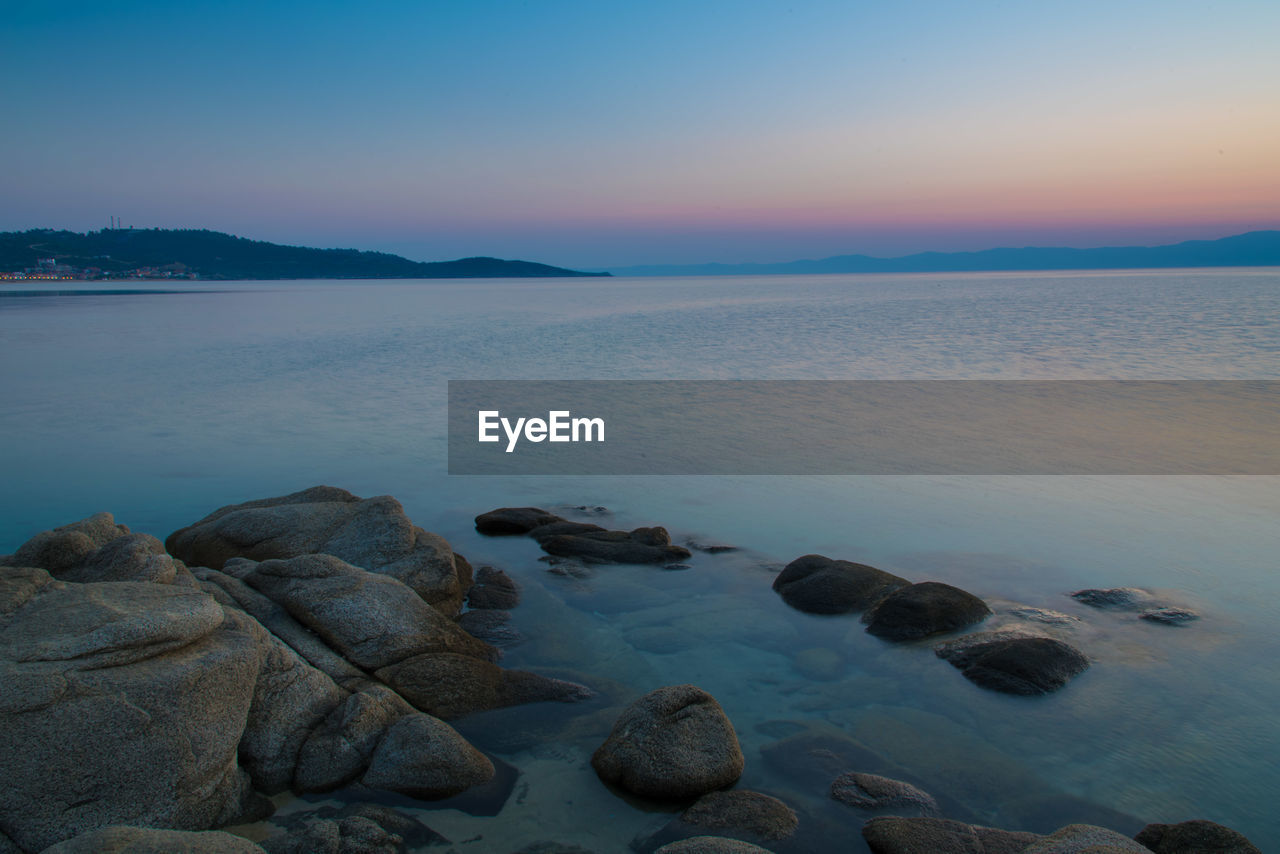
{"x": 361, "y": 828}
{"x": 1085, "y": 839}
{"x": 742, "y": 812}
{"x": 872, "y": 792}
{"x": 896, "y": 835}
{"x": 372, "y": 533}
{"x": 448, "y": 685}
{"x": 150, "y": 840}
{"x": 820, "y": 585}
{"x": 1170, "y": 616}
{"x": 674, "y": 742}
{"x": 1193, "y": 837}
{"x": 924, "y": 609}
{"x": 493, "y": 589}
{"x": 711, "y": 845}
{"x": 820, "y": 664}
{"x": 642, "y": 545}
{"x": 492, "y": 627}
{"x": 1115, "y": 598}
{"x": 1020, "y": 665}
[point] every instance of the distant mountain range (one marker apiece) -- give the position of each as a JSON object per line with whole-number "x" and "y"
{"x": 214, "y": 255}
{"x": 1253, "y": 249}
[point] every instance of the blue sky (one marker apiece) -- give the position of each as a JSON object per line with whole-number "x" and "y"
{"x": 609, "y": 133}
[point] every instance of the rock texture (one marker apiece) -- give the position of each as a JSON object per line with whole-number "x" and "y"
{"x": 1085, "y": 839}
{"x": 820, "y": 585}
{"x": 423, "y": 757}
{"x": 895, "y": 835}
{"x": 1018, "y": 665}
{"x": 872, "y": 792}
{"x": 493, "y": 589}
{"x": 711, "y": 845}
{"x": 360, "y": 828}
{"x": 371, "y": 533}
{"x": 1194, "y": 837}
{"x": 586, "y": 542}
{"x": 675, "y": 742}
{"x": 924, "y": 609}
{"x": 743, "y": 812}
{"x": 449, "y": 686}
{"x": 148, "y": 840}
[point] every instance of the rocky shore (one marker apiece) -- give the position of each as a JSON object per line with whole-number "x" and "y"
{"x": 320, "y": 643}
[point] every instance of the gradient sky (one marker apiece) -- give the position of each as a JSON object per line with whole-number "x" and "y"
{"x": 603, "y": 133}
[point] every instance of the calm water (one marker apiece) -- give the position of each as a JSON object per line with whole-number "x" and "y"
{"x": 161, "y": 407}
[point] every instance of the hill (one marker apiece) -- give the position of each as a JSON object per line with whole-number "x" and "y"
{"x": 1253, "y": 249}
{"x": 214, "y": 255}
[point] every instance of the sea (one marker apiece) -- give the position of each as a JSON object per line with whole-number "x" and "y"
{"x": 161, "y": 402}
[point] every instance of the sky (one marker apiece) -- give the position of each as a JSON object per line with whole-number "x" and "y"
{"x": 609, "y": 133}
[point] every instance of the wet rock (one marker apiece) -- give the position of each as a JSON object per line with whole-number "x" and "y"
{"x": 642, "y": 545}
{"x": 563, "y": 526}
{"x": 924, "y": 609}
{"x": 373, "y": 534}
{"x": 1115, "y": 598}
{"x": 423, "y": 757}
{"x": 813, "y": 759}
{"x": 150, "y": 840}
{"x": 872, "y": 792}
{"x": 361, "y": 828}
{"x": 820, "y": 664}
{"x": 1085, "y": 839}
{"x": 896, "y": 835}
{"x": 1043, "y": 615}
{"x": 1019, "y": 665}
{"x": 373, "y": 620}
{"x": 121, "y": 703}
{"x": 710, "y": 548}
{"x": 341, "y": 747}
{"x": 1170, "y": 616}
{"x": 511, "y": 521}
{"x": 448, "y": 685}
{"x": 820, "y": 585}
{"x": 711, "y": 845}
{"x": 493, "y": 589}
{"x": 674, "y": 742}
{"x": 492, "y": 627}
{"x": 742, "y": 812}
{"x": 1193, "y": 837}
{"x": 678, "y": 567}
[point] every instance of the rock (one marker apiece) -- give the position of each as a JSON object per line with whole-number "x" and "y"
{"x": 121, "y": 703}
{"x": 924, "y": 609}
{"x": 642, "y": 545}
{"x": 820, "y": 585}
{"x": 812, "y": 760}
{"x": 373, "y": 620}
{"x": 742, "y": 812}
{"x": 129, "y": 557}
{"x": 710, "y": 548}
{"x": 547, "y": 847}
{"x": 340, "y": 749}
{"x": 895, "y": 835}
{"x": 820, "y": 664}
{"x": 711, "y": 845}
{"x": 1115, "y": 598}
{"x": 674, "y": 742}
{"x": 1082, "y": 838}
{"x": 563, "y": 526}
{"x": 150, "y": 840}
{"x": 361, "y": 828}
{"x": 423, "y": 757}
{"x": 508, "y": 521}
{"x": 64, "y": 547}
{"x": 371, "y": 533}
{"x": 494, "y": 589}
{"x": 492, "y": 627}
{"x": 1170, "y": 616}
{"x": 448, "y": 685}
{"x": 871, "y": 792}
{"x": 1043, "y": 615}
{"x": 1193, "y": 837}
{"x": 1017, "y": 665}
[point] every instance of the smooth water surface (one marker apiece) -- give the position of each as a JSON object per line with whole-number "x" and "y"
{"x": 163, "y": 406}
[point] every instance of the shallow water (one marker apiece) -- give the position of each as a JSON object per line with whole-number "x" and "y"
{"x": 162, "y": 406}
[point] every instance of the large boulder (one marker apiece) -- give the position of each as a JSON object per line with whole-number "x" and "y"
{"x": 449, "y": 686}
{"x": 674, "y": 742}
{"x": 373, "y": 620}
{"x": 371, "y": 533}
{"x": 98, "y": 549}
{"x": 67, "y": 546}
{"x": 150, "y": 840}
{"x": 897, "y": 835}
{"x": 121, "y": 704}
{"x": 423, "y": 757}
{"x": 642, "y": 545}
{"x": 340, "y": 749}
{"x": 1018, "y": 665}
{"x": 493, "y": 589}
{"x": 820, "y": 585}
{"x": 1193, "y": 837}
{"x": 513, "y": 521}
{"x": 1085, "y": 839}
{"x": 924, "y": 609}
